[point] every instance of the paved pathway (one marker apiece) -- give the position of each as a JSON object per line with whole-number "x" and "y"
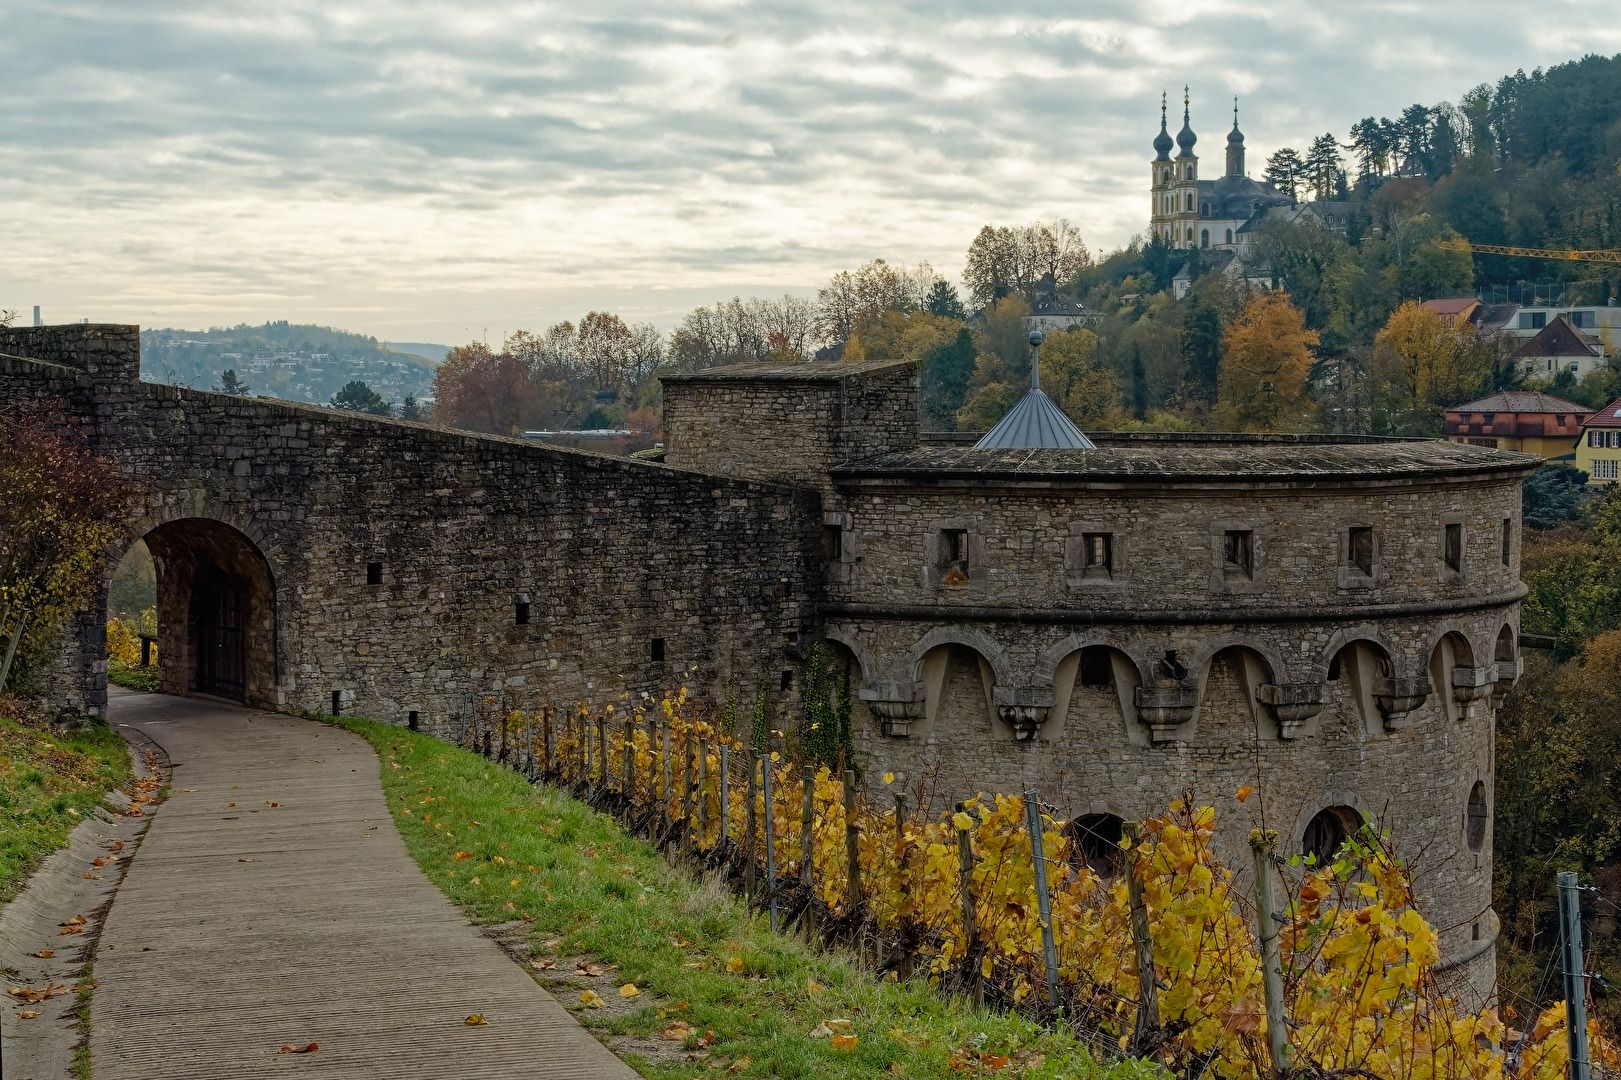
{"x": 241, "y": 928}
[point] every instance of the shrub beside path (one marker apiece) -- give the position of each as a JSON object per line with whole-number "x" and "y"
{"x": 273, "y": 903}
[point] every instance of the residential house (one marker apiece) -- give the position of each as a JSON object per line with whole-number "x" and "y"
{"x": 1559, "y": 346}
{"x": 1598, "y": 453}
{"x": 1524, "y": 420}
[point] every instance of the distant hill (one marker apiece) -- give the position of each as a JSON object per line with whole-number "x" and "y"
{"x": 293, "y": 361}
{"x": 435, "y": 353}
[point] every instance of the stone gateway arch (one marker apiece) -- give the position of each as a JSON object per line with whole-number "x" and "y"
{"x": 1332, "y": 619}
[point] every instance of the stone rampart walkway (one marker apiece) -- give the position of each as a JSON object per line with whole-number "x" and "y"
{"x": 241, "y": 928}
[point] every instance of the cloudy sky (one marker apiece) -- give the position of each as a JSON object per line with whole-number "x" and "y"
{"x": 424, "y": 170}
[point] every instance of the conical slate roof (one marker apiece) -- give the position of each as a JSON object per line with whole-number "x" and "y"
{"x": 1035, "y": 423}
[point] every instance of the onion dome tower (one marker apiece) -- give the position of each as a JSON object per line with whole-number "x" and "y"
{"x": 1186, "y": 138}
{"x": 1235, "y": 146}
{"x": 1035, "y": 422}
{"x": 1162, "y": 141}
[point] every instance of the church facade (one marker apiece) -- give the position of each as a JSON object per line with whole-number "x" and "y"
{"x": 1191, "y": 212}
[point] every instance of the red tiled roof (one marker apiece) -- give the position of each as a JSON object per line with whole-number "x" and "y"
{"x": 1609, "y": 416}
{"x": 1560, "y": 338}
{"x": 1449, "y": 306}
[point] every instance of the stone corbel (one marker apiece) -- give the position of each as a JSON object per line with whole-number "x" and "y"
{"x": 1165, "y": 708}
{"x": 1398, "y": 697}
{"x": 895, "y": 704}
{"x": 1471, "y": 685}
{"x": 1508, "y": 673}
{"x": 1024, "y": 709}
{"x": 1291, "y": 705}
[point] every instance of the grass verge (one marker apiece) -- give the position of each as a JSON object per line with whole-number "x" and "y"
{"x": 132, "y": 676}
{"x": 49, "y": 780}
{"x": 504, "y": 850}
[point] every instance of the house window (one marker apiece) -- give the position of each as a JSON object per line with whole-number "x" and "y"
{"x": 1190, "y": 177}
{"x": 1508, "y": 539}
{"x": 1097, "y": 552}
{"x": 1190, "y": 210}
{"x": 1360, "y": 549}
{"x": 1605, "y": 470}
{"x": 1533, "y": 320}
{"x": 1229, "y": 236}
{"x": 1452, "y": 548}
{"x": 1583, "y": 319}
{"x": 1595, "y": 438}
{"x": 1559, "y": 418}
{"x": 954, "y": 548}
{"x": 1613, "y": 438}
{"x": 374, "y": 573}
{"x": 1204, "y": 209}
{"x": 1238, "y": 554}
{"x": 1204, "y": 238}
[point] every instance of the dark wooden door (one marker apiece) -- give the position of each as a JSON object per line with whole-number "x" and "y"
{"x": 216, "y": 629}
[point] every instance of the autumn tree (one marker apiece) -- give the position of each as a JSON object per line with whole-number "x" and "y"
{"x": 1266, "y": 359}
{"x": 852, "y": 299}
{"x": 482, "y": 390}
{"x": 1023, "y": 260}
{"x": 1072, "y": 376}
{"x": 1426, "y": 365}
{"x": 59, "y": 504}
{"x": 737, "y": 330}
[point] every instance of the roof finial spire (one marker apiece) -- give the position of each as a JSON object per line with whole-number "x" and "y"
{"x": 1184, "y": 103}
{"x": 1162, "y": 96}
{"x": 1235, "y": 110}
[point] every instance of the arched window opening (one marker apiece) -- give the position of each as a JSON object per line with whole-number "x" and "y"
{"x": 1097, "y": 843}
{"x": 1229, "y": 236}
{"x": 1504, "y": 650}
{"x": 1204, "y": 209}
{"x": 1097, "y": 670}
{"x": 1328, "y": 831}
{"x": 1190, "y": 203}
{"x": 1204, "y": 238}
{"x": 1475, "y": 817}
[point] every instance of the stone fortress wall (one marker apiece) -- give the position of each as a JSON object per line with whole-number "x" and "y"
{"x": 387, "y": 561}
{"x": 1329, "y": 620}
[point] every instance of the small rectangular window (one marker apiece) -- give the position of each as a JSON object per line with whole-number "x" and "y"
{"x": 1452, "y": 550}
{"x": 832, "y": 543}
{"x": 1508, "y": 539}
{"x": 1097, "y": 669}
{"x": 411, "y": 721}
{"x": 1360, "y": 554}
{"x": 954, "y": 548}
{"x": 1098, "y": 554}
{"x": 1614, "y": 438}
{"x": 520, "y": 612}
{"x": 1595, "y": 438}
{"x": 1238, "y": 554}
{"x": 787, "y": 681}
{"x": 374, "y": 573}
{"x": 658, "y": 650}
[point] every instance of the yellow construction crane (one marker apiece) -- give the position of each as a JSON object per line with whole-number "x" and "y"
{"x": 1603, "y": 255}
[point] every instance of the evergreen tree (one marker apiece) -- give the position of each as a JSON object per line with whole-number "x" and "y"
{"x": 1323, "y": 165}
{"x": 944, "y": 301}
{"x": 1201, "y": 341}
{"x": 356, "y": 396}
{"x": 1284, "y": 171}
{"x": 410, "y": 408}
{"x": 230, "y": 384}
{"x": 946, "y": 371}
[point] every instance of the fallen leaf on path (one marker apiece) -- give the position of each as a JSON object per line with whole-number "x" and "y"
{"x": 99, "y": 861}
{"x": 475, "y": 1020}
{"x": 268, "y": 803}
{"x": 552, "y": 944}
{"x": 592, "y": 998}
{"x": 543, "y": 965}
{"x": 289, "y": 1048}
{"x": 845, "y": 1043}
{"x": 28, "y": 1014}
{"x": 188, "y": 789}
{"x": 628, "y": 990}
{"x": 461, "y": 855}
{"x": 229, "y": 805}
{"x": 739, "y": 1065}
{"x": 593, "y": 970}
{"x": 698, "y": 1055}
{"x": 116, "y": 845}
{"x": 474, "y": 880}
{"x": 735, "y": 965}
{"x": 247, "y": 860}
{"x": 813, "y": 987}
{"x": 31, "y": 996}
{"x": 509, "y": 906}
{"x": 676, "y": 1032}
{"x": 43, "y": 954}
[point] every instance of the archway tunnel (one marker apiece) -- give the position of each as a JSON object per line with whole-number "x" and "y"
{"x": 216, "y": 615}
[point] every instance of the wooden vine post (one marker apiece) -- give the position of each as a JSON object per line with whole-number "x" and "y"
{"x": 852, "y": 844}
{"x": 970, "y": 914}
{"x": 1147, "y": 983}
{"x": 1263, "y": 842}
{"x": 807, "y": 821}
{"x": 748, "y": 830}
{"x": 1044, "y": 903}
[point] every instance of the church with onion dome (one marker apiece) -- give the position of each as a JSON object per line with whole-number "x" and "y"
{"x": 1190, "y": 212}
